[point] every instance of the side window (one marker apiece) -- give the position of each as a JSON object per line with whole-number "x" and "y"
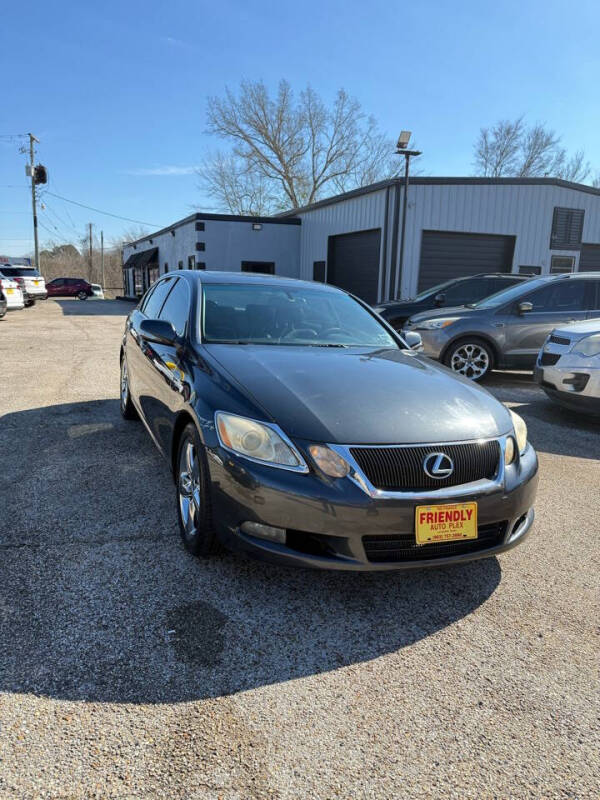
{"x": 497, "y": 284}
{"x": 154, "y": 303}
{"x": 593, "y": 294}
{"x": 563, "y": 296}
{"x": 466, "y": 292}
{"x": 176, "y": 310}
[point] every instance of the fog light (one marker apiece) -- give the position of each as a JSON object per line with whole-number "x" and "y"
{"x": 264, "y": 531}
{"x": 329, "y": 461}
{"x": 509, "y": 452}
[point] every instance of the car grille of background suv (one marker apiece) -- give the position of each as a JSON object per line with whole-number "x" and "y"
{"x": 401, "y": 469}
{"x": 403, "y": 547}
{"x": 558, "y": 339}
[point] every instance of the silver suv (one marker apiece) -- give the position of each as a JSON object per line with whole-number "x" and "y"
{"x": 506, "y": 330}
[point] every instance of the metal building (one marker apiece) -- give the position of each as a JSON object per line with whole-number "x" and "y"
{"x": 454, "y": 226}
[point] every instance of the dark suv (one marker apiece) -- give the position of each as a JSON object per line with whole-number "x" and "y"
{"x": 456, "y": 292}
{"x": 69, "y": 287}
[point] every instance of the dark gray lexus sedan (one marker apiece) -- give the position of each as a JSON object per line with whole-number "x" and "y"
{"x": 300, "y": 428}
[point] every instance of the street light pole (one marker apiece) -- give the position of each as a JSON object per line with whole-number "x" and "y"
{"x": 32, "y": 139}
{"x": 402, "y": 151}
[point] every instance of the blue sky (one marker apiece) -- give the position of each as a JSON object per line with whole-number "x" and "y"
{"x": 116, "y": 92}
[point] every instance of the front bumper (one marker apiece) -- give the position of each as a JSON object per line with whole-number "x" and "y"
{"x": 571, "y": 382}
{"x": 326, "y": 520}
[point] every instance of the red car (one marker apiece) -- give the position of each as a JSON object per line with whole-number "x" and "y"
{"x": 69, "y": 287}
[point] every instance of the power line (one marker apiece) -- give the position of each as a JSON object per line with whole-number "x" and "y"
{"x": 99, "y": 211}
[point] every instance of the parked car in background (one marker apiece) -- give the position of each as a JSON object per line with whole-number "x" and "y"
{"x": 300, "y": 428}
{"x": 30, "y": 282}
{"x": 97, "y": 291}
{"x": 2, "y": 304}
{"x": 69, "y": 287}
{"x": 455, "y": 292}
{"x": 506, "y": 330}
{"x": 11, "y": 295}
{"x": 568, "y": 366}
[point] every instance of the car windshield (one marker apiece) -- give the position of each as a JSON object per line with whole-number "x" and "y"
{"x": 435, "y": 289}
{"x": 281, "y": 315}
{"x": 506, "y": 295}
{"x": 19, "y": 272}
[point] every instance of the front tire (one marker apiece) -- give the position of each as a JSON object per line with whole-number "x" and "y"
{"x": 126, "y": 405}
{"x": 194, "y": 507}
{"x": 470, "y": 357}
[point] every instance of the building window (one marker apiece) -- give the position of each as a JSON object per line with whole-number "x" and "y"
{"x": 525, "y": 270}
{"x": 180, "y": 265}
{"x": 319, "y": 271}
{"x": 201, "y": 265}
{"x": 560, "y": 264}
{"x": 199, "y": 226}
{"x": 191, "y": 262}
{"x": 166, "y": 266}
{"x": 200, "y": 246}
{"x": 567, "y": 228}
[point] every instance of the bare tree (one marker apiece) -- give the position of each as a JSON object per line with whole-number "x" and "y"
{"x": 596, "y": 181}
{"x": 510, "y": 148}
{"x": 286, "y": 151}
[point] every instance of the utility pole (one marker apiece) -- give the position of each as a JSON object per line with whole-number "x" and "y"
{"x": 32, "y": 139}
{"x": 102, "y": 256}
{"x": 401, "y": 150}
{"x": 90, "y": 253}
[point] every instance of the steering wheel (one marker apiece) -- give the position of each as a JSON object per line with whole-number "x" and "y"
{"x": 301, "y": 333}
{"x": 337, "y": 331}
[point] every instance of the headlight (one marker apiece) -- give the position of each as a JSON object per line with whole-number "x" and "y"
{"x": 590, "y": 346}
{"x": 520, "y": 431}
{"x": 329, "y": 461}
{"x": 434, "y": 324}
{"x": 258, "y": 441}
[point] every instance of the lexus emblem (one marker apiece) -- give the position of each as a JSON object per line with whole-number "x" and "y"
{"x": 438, "y": 466}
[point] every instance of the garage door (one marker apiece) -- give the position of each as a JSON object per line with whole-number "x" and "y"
{"x": 589, "y": 259}
{"x": 353, "y": 263}
{"x": 446, "y": 255}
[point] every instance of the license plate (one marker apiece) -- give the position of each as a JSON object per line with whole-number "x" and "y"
{"x": 36, "y": 283}
{"x": 445, "y": 523}
{"x": 10, "y": 291}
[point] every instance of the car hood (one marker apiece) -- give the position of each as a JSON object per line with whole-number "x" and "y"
{"x": 362, "y": 395}
{"x": 435, "y": 313}
{"x": 586, "y": 327}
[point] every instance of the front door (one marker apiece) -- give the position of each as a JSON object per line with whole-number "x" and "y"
{"x": 554, "y": 304}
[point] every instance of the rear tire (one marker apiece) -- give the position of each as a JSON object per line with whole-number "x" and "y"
{"x": 127, "y": 408}
{"x": 470, "y": 357}
{"x": 82, "y": 295}
{"x": 192, "y": 490}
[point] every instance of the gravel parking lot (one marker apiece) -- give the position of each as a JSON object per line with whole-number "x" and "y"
{"x": 128, "y": 669}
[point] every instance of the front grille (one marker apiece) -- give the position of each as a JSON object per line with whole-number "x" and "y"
{"x": 402, "y": 547}
{"x": 558, "y": 339}
{"x": 549, "y": 359}
{"x": 401, "y": 469}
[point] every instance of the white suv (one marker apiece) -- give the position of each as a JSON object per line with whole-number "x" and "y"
{"x": 11, "y": 292}
{"x": 29, "y": 279}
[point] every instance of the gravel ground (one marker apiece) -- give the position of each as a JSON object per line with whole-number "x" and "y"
{"x": 129, "y": 669}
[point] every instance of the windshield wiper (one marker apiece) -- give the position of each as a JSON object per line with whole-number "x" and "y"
{"x": 324, "y": 344}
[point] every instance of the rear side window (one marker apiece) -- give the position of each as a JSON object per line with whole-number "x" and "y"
{"x": 594, "y": 295}
{"x": 563, "y": 296}
{"x": 176, "y": 310}
{"x": 154, "y": 303}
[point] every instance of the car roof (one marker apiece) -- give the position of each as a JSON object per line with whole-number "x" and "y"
{"x": 214, "y": 276}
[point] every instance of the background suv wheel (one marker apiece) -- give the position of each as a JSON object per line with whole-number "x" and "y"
{"x": 470, "y": 357}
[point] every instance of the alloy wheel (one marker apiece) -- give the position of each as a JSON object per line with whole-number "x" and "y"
{"x": 188, "y": 489}
{"x": 470, "y": 360}
{"x": 124, "y": 383}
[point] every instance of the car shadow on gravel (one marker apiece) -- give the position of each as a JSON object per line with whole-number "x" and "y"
{"x": 100, "y": 602}
{"x": 94, "y": 308}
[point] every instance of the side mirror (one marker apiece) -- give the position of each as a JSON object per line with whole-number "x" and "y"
{"x": 525, "y": 307}
{"x": 439, "y": 299}
{"x": 413, "y": 340}
{"x": 158, "y": 330}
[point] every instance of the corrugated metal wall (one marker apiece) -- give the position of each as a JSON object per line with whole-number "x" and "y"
{"x": 518, "y": 210}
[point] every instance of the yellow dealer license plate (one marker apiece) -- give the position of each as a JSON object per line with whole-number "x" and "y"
{"x": 447, "y": 523}
{"x": 10, "y": 291}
